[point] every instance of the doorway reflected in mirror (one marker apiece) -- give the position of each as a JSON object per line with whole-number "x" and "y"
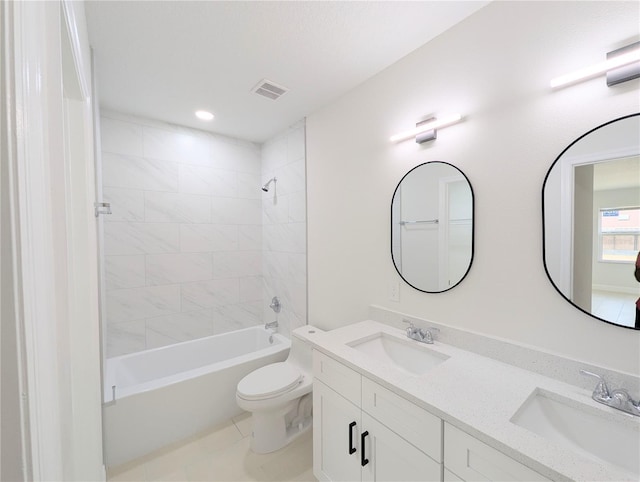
{"x": 591, "y": 221}
{"x": 432, "y": 227}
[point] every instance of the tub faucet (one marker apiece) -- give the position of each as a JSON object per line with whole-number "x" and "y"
{"x": 271, "y": 326}
{"x": 618, "y": 398}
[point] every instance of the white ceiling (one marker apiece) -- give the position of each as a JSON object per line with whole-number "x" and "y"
{"x": 164, "y": 60}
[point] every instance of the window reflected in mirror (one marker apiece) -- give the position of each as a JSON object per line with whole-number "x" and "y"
{"x": 619, "y": 234}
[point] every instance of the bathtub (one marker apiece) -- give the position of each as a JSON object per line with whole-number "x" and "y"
{"x": 159, "y": 396}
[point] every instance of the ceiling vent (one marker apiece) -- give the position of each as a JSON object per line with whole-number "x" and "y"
{"x": 269, "y": 89}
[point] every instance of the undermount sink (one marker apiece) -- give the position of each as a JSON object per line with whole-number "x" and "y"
{"x": 403, "y": 354}
{"x": 589, "y": 431}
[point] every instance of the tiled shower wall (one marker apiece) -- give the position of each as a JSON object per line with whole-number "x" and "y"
{"x": 284, "y": 228}
{"x": 183, "y": 247}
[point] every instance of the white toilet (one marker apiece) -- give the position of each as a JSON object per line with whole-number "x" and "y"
{"x": 279, "y": 396}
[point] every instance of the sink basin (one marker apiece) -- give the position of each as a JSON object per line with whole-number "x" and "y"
{"x": 403, "y": 354}
{"x": 595, "y": 433}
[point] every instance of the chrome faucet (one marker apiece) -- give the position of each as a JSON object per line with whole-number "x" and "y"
{"x": 275, "y": 304}
{"x": 423, "y": 335}
{"x": 618, "y": 398}
{"x": 271, "y": 326}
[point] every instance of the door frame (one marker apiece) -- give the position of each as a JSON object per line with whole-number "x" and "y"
{"x": 37, "y": 226}
{"x": 443, "y": 228}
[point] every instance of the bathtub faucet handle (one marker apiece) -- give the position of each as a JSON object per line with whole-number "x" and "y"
{"x": 275, "y": 305}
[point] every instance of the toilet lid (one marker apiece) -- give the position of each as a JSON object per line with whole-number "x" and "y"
{"x": 269, "y": 381}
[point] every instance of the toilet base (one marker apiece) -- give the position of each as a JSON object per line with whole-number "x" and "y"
{"x": 264, "y": 442}
{"x": 273, "y": 429}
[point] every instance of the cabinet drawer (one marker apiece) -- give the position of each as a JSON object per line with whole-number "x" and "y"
{"x": 411, "y": 422}
{"x": 470, "y": 459}
{"x": 337, "y": 376}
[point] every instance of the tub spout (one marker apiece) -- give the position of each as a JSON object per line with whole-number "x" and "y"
{"x": 271, "y": 326}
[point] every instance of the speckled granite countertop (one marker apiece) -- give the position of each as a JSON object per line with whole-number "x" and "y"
{"x": 480, "y": 395}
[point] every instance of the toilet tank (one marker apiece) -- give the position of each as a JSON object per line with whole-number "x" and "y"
{"x": 301, "y": 347}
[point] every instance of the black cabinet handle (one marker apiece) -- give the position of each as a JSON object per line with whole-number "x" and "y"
{"x": 363, "y": 460}
{"x": 352, "y": 449}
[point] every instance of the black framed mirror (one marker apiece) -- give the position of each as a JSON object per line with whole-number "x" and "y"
{"x": 432, "y": 227}
{"x": 591, "y": 221}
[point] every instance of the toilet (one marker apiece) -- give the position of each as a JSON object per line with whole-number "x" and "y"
{"x": 279, "y": 396}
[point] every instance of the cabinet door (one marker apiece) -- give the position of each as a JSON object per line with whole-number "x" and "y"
{"x": 336, "y": 424}
{"x": 389, "y": 457}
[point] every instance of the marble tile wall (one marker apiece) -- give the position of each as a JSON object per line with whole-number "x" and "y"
{"x": 183, "y": 247}
{"x": 284, "y": 228}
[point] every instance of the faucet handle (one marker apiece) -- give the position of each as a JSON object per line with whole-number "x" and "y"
{"x": 411, "y": 328}
{"x": 601, "y": 392}
{"x": 275, "y": 304}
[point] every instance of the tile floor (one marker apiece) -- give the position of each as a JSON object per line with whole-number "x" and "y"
{"x": 618, "y": 308}
{"x": 221, "y": 455}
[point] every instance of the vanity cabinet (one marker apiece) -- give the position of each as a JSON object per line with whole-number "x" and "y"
{"x": 363, "y": 431}
{"x": 468, "y": 459}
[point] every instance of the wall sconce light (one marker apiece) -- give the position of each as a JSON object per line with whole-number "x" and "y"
{"x": 621, "y": 65}
{"x": 426, "y": 130}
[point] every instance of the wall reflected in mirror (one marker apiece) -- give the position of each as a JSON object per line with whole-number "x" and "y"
{"x": 591, "y": 217}
{"x": 432, "y": 227}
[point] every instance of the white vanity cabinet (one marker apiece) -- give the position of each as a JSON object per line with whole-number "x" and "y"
{"x": 468, "y": 459}
{"x": 362, "y": 431}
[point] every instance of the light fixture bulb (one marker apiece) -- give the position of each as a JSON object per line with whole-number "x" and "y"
{"x": 443, "y": 122}
{"x": 597, "y": 69}
{"x": 204, "y": 115}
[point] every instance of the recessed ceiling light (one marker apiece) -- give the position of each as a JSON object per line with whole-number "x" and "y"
{"x": 204, "y": 115}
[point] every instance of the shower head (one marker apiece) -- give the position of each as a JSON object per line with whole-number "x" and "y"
{"x": 265, "y": 188}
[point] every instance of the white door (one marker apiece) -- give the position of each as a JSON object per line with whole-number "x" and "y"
{"x": 53, "y": 229}
{"x": 81, "y": 401}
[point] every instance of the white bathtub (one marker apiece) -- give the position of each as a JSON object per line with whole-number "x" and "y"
{"x": 170, "y": 393}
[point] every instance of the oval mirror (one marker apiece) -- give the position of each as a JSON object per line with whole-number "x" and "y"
{"x": 591, "y": 221}
{"x": 432, "y": 227}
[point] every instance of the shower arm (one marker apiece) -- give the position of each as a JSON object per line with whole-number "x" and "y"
{"x": 265, "y": 188}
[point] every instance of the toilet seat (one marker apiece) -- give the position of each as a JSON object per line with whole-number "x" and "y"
{"x": 269, "y": 381}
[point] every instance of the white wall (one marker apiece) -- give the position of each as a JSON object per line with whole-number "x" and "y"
{"x": 494, "y": 68}
{"x": 183, "y": 245}
{"x": 194, "y": 247}
{"x": 284, "y": 228}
